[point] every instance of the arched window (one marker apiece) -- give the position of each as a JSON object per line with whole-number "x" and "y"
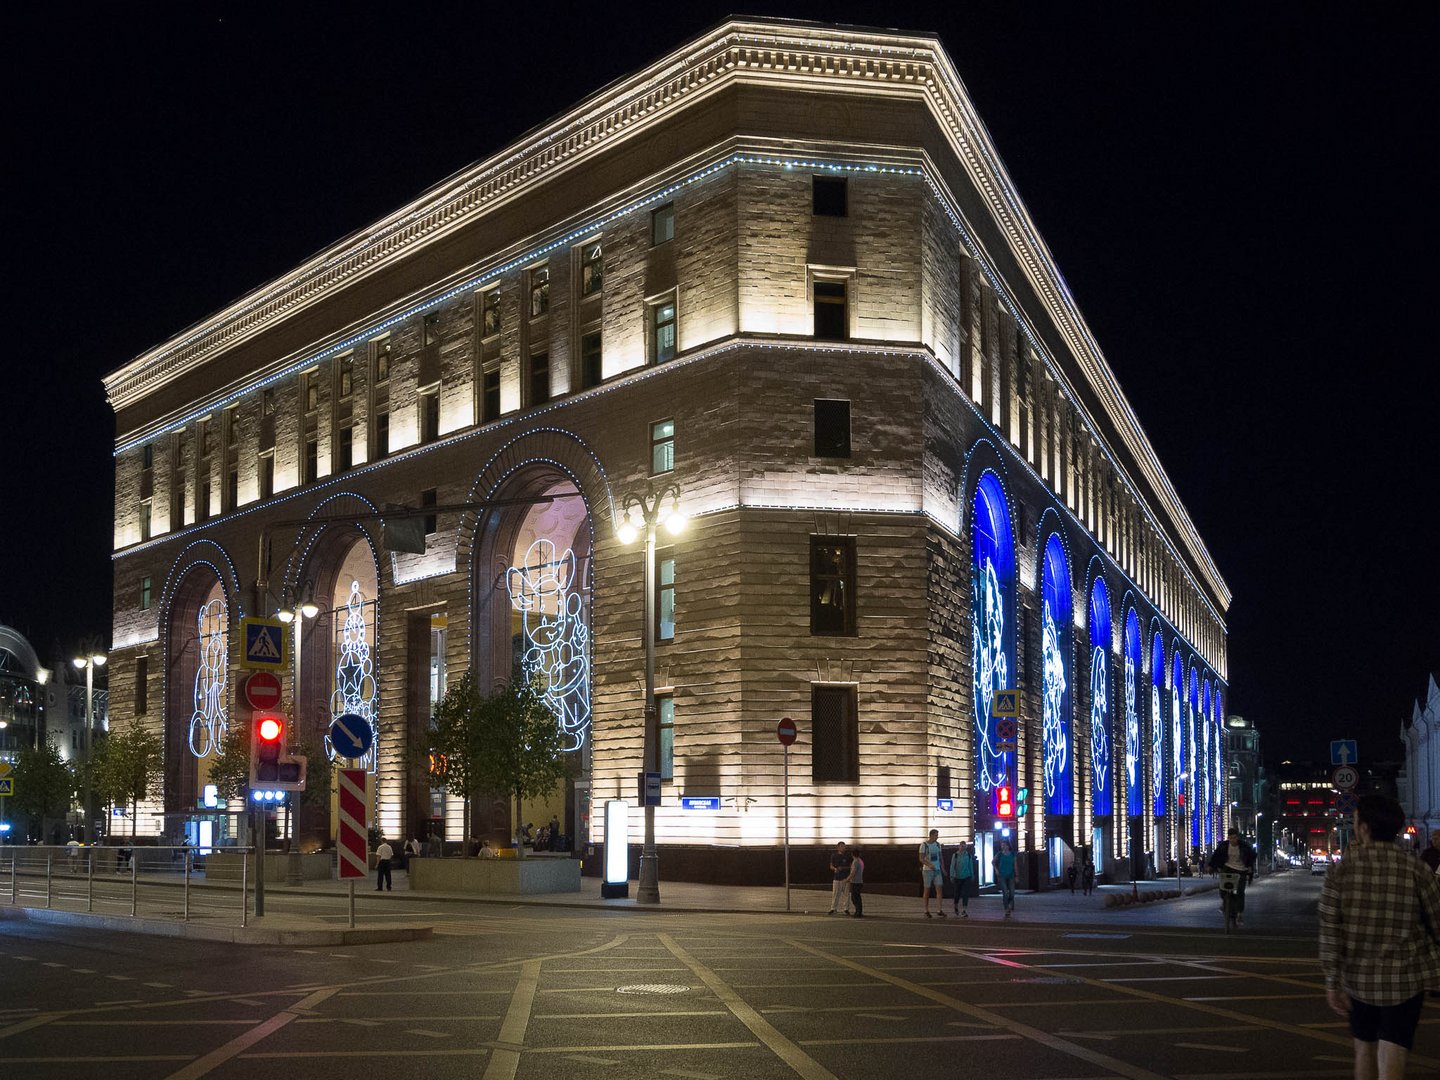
{"x": 1217, "y": 713}
{"x": 1191, "y": 754}
{"x": 1056, "y": 626}
{"x": 1134, "y": 746}
{"x": 210, "y": 720}
{"x": 1157, "y": 724}
{"x": 992, "y": 626}
{"x": 1177, "y": 736}
{"x": 1102, "y": 786}
{"x": 1207, "y": 761}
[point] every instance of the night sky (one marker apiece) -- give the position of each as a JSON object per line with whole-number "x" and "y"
{"x": 1241, "y": 197}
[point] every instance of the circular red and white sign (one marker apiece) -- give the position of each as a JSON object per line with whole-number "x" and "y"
{"x": 262, "y": 690}
{"x": 785, "y": 731}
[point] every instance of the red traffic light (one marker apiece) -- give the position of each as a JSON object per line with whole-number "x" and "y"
{"x": 269, "y": 729}
{"x": 1004, "y": 801}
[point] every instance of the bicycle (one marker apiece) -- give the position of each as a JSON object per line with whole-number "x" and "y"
{"x": 1229, "y": 887}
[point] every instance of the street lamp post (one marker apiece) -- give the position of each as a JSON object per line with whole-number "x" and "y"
{"x": 649, "y": 510}
{"x": 89, "y": 663}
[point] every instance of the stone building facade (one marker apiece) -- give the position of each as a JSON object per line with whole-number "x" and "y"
{"x": 1421, "y": 735}
{"x": 782, "y": 268}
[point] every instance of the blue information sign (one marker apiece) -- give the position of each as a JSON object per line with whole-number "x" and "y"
{"x": 1343, "y": 752}
{"x": 944, "y": 804}
{"x": 351, "y": 736}
{"x": 696, "y": 802}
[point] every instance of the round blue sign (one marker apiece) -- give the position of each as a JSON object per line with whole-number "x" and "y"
{"x": 351, "y": 736}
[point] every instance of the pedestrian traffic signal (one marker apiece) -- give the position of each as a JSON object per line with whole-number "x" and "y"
{"x": 1004, "y": 802}
{"x": 271, "y": 769}
{"x": 1022, "y": 801}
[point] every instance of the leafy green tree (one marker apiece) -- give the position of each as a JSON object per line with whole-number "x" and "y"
{"x": 230, "y": 766}
{"x": 129, "y": 767}
{"x": 44, "y": 785}
{"x": 453, "y": 744}
{"x": 519, "y": 748}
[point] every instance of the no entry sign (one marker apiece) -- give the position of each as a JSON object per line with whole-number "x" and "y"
{"x": 785, "y": 731}
{"x": 262, "y": 691}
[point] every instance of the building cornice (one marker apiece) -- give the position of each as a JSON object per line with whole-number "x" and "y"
{"x": 844, "y": 59}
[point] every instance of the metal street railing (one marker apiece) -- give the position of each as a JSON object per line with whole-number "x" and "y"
{"x": 142, "y": 882}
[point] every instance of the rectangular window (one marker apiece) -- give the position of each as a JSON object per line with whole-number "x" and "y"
{"x": 267, "y": 476}
{"x": 539, "y": 291}
{"x": 142, "y": 681}
{"x": 147, "y": 456}
{"x": 202, "y": 500}
{"x": 312, "y": 460}
{"x": 835, "y": 735}
{"x": 145, "y": 521}
{"x": 490, "y": 396}
{"x": 430, "y": 327}
{"x": 942, "y": 782}
{"x": 590, "y": 369}
{"x": 232, "y": 425}
{"x": 662, "y": 224}
{"x": 592, "y": 269}
{"x": 665, "y": 718}
{"x": 832, "y": 585}
{"x": 539, "y": 378}
{"x": 489, "y": 312}
{"x": 146, "y": 593}
{"x": 662, "y": 331}
{"x": 232, "y": 486}
{"x": 664, "y": 598}
{"x": 312, "y": 392}
{"x": 832, "y": 313}
{"x": 205, "y": 446}
{"x": 347, "y": 375}
{"x": 382, "y": 434}
{"x": 382, "y": 360}
{"x": 829, "y": 196}
{"x": 429, "y": 417}
{"x": 832, "y": 428}
{"x": 427, "y": 499}
{"x": 345, "y": 451}
{"x": 267, "y": 402}
{"x": 662, "y": 447}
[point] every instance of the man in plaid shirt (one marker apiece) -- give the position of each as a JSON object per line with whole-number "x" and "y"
{"x": 1379, "y": 914}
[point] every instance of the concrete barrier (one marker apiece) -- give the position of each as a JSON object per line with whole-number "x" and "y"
{"x": 505, "y": 877}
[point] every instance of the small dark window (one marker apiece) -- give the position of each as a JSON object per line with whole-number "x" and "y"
{"x": 312, "y": 393}
{"x": 429, "y": 417}
{"x": 202, "y": 501}
{"x": 430, "y": 327}
{"x": 662, "y": 331}
{"x": 592, "y": 269}
{"x": 832, "y": 313}
{"x": 539, "y": 378}
{"x": 664, "y": 598}
{"x": 267, "y": 476}
{"x": 232, "y": 425}
{"x": 142, "y": 681}
{"x": 147, "y": 456}
{"x": 347, "y": 376}
{"x": 489, "y": 312}
{"x": 146, "y": 593}
{"x": 539, "y": 291}
{"x": 662, "y": 447}
{"x": 665, "y": 721}
{"x": 145, "y": 520}
{"x": 382, "y": 434}
{"x": 382, "y": 360}
{"x": 312, "y": 460}
{"x": 662, "y": 224}
{"x": 232, "y": 486}
{"x": 590, "y": 370}
{"x": 267, "y": 402}
{"x": 835, "y": 735}
{"x": 942, "y": 782}
{"x": 345, "y": 452}
{"x": 427, "y": 499}
{"x": 832, "y": 428}
{"x": 829, "y": 196}
{"x": 490, "y": 396}
{"x": 832, "y": 585}
{"x": 205, "y": 446}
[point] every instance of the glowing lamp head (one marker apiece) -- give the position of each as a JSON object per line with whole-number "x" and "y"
{"x": 79, "y": 661}
{"x": 627, "y": 532}
{"x": 676, "y": 521}
{"x": 309, "y": 609}
{"x": 269, "y": 729}
{"x": 285, "y": 615}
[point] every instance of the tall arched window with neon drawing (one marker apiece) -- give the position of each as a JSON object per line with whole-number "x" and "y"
{"x": 992, "y": 632}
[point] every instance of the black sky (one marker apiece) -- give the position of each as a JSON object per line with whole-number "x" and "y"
{"x": 1241, "y": 197}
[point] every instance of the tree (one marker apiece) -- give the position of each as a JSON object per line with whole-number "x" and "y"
{"x": 519, "y": 747}
{"x": 453, "y": 744}
{"x": 230, "y": 766}
{"x": 44, "y": 785}
{"x": 129, "y": 767}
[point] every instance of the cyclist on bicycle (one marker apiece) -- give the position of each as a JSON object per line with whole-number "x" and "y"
{"x": 1236, "y": 857}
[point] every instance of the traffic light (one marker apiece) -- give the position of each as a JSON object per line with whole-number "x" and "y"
{"x": 1022, "y": 801}
{"x": 1004, "y": 802}
{"x": 271, "y": 769}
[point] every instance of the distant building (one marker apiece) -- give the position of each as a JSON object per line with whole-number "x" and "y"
{"x": 1421, "y": 735}
{"x": 24, "y": 694}
{"x": 1248, "y": 781}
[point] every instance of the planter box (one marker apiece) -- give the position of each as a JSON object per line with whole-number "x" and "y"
{"x": 505, "y": 877}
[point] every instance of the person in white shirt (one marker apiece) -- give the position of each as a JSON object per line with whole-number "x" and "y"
{"x": 383, "y": 854}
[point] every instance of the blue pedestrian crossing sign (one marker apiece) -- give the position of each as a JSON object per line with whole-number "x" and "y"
{"x": 262, "y": 644}
{"x": 1006, "y": 703}
{"x": 1343, "y": 752}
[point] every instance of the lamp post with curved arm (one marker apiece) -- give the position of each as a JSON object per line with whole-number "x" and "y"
{"x": 89, "y": 662}
{"x": 649, "y": 510}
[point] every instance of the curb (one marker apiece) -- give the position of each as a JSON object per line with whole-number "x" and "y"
{"x": 257, "y": 933}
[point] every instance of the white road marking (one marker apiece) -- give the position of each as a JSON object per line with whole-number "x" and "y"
{"x": 1212, "y": 1048}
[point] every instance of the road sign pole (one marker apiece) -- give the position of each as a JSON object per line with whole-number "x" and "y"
{"x": 787, "y": 826}
{"x": 257, "y": 818}
{"x": 352, "y": 903}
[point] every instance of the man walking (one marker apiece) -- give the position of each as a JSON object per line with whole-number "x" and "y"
{"x": 1004, "y": 863}
{"x": 840, "y": 881}
{"x": 857, "y": 881}
{"x": 931, "y": 874}
{"x": 1236, "y": 857}
{"x": 383, "y": 854}
{"x": 1379, "y": 910}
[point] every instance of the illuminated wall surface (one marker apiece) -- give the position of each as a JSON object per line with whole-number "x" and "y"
{"x": 1158, "y": 723}
{"x": 1056, "y": 650}
{"x": 992, "y": 626}
{"x": 998, "y": 490}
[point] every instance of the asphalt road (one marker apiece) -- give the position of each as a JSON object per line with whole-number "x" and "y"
{"x": 521, "y": 991}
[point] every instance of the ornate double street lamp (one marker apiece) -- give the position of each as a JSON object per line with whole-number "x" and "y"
{"x": 89, "y": 663}
{"x": 649, "y": 510}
